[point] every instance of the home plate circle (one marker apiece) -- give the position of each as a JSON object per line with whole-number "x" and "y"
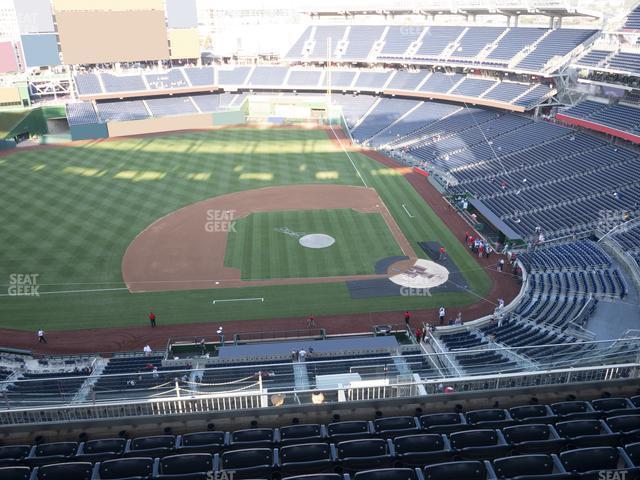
{"x": 423, "y": 274}
{"x": 317, "y": 240}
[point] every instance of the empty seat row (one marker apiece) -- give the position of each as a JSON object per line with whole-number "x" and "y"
{"x": 319, "y": 462}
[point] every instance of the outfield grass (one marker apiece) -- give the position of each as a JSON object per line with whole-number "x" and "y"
{"x": 263, "y": 252}
{"x": 70, "y": 213}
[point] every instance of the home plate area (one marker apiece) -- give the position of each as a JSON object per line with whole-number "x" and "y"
{"x": 433, "y": 275}
{"x": 423, "y": 274}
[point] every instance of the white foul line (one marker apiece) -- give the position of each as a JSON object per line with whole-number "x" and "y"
{"x": 405, "y": 209}
{"x": 60, "y": 292}
{"x": 348, "y": 156}
{"x": 254, "y": 299}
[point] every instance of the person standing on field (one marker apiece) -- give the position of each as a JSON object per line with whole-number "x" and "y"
{"x": 152, "y": 319}
{"x": 41, "y": 338}
{"x": 407, "y": 319}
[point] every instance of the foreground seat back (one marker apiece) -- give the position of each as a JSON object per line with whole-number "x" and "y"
{"x": 508, "y": 467}
{"x": 15, "y": 473}
{"x": 254, "y": 460}
{"x": 14, "y": 452}
{"x": 104, "y": 445}
{"x": 387, "y": 474}
{"x": 65, "y": 471}
{"x": 125, "y": 468}
{"x": 202, "y": 442}
{"x": 443, "y": 422}
{"x": 356, "y": 455}
{"x": 422, "y": 449}
{"x": 253, "y": 437}
{"x": 469, "y": 470}
{"x": 58, "y": 449}
{"x": 186, "y": 463}
{"x": 395, "y": 425}
{"x": 573, "y": 410}
{"x": 590, "y": 459}
{"x": 490, "y": 418}
{"x": 534, "y": 438}
{"x": 296, "y": 433}
{"x": 349, "y": 430}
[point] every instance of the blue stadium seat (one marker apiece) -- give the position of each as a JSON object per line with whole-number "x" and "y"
{"x": 533, "y": 413}
{"x": 302, "y": 434}
{"x": 306, "y": 458}
{"x": 127, "y": 468}
{"x": 153, "y": 446}
{"x": 392, "y": 426}
{"x": 13, "y": 454}
{"x": 633, "y": 452}
{"x": 355, "y": 455}
{"x": 46, "y": 453}
{"x": 443, "y": 422}
{"x": 387, "y": 474}
{"x": 574, "y": 410}
{"x": 479, "y": 444}
{"x": 319, "y": 476}
{"x": 626, "y": 425}
{"x": 589, "y": 462}
{"x": 202, "y": 442}
{"x": 422, "y": 449}
{"x": 587, "y": 433}
{"x": 64, "y": 471}
{"x": 350, "y": 430}
{"x": 253, "y": 437}
{"x": 542, "y": 467}
{"x": 490, "y": 418}
{"x": 250, "y": 463}
{"x": 101, "y": 450}
{"x": 534, "y": 438}
{"x": 15, "y": 473}
{"x": 467, "y": 470}
{"x": 614, "y": 406}
{"x": 185, "y": 466}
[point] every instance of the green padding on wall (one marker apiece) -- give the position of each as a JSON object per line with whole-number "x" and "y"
{"x": 89, "y": 132}
{"x": 229, "y": 118}
{"x": 7, "y": 144}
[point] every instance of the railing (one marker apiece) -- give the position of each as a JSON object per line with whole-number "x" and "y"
{"x": 261, "y": 398}
{"x": 236, "y": 382}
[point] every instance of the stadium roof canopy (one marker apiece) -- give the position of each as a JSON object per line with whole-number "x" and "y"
{"x": 549, "y": 8}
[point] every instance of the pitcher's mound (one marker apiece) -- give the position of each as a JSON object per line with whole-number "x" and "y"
{"x": 317, "y": 240}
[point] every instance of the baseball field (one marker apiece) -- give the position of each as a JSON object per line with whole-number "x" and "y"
{"x": 106, "y": 231}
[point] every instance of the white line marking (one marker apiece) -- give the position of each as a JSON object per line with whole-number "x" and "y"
{"x": 61, "y": 292}
{"x": 254, "y": 299}
{"x": 405, "y": 209}
{"x": 348, "y": 156}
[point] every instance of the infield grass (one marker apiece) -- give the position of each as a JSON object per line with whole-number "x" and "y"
{"x": 68, "y": 215}
{"x": 261, "y": 250}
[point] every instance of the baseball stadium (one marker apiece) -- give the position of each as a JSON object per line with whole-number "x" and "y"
{"x": 320, "y": 240}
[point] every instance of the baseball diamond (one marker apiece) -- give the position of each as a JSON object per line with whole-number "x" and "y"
{"x": 192, "y": 191}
